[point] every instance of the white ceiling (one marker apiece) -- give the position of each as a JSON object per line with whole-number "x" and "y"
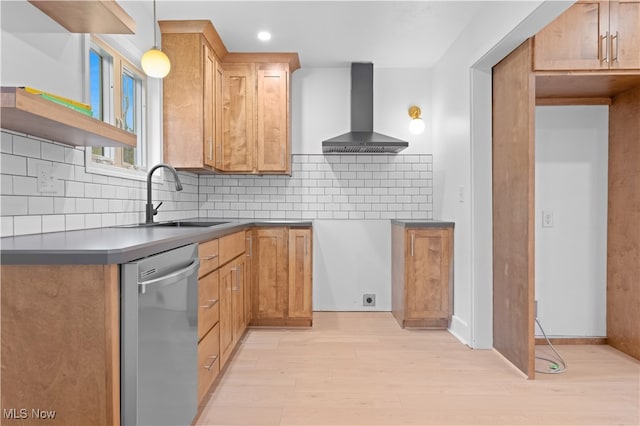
{"x": 391, "y": 34}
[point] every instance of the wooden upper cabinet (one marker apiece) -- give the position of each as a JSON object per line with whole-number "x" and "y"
{"x": 624, "y": 21}
{"x": 224, "y": 112}
{"x": 591, "y": 35}
{"x": 237, "y": 146}
{"x": 273, "y": 142}
{"x": 188, "y": 102}
{"x": 209, "y": 105}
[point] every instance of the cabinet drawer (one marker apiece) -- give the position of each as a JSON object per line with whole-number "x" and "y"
{"x": 208, "y": 361}
{"x": 208, "y": 306}
{"x": 231, "y": 246}
{"x": 209, "y": 257}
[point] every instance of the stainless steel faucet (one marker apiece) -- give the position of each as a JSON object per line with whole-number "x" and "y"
{"x": 151, "y": 211}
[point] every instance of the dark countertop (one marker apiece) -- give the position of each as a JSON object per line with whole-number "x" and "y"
{"x": 423, "y": 223}
{"x": 118, "y": 244}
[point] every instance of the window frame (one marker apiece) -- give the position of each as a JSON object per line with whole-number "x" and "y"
{"x": 114, "y": 65}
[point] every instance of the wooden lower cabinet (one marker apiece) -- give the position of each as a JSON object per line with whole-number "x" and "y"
{"x": 300, "y": 274}
{"x": 232, "y": 324}
{"x": 422, "y": 276}
{"x": 221, "y": 320}
{"x": 60, "y": 346}
{"x": 208, "y": 361}
{"x": 281, "y": 277}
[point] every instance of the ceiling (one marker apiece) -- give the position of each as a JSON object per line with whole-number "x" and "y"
{"x": 391, "y": 34}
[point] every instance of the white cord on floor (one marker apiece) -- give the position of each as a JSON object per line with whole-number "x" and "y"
{"x": 555, "y": 367}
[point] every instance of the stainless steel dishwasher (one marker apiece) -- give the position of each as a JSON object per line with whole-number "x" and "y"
{"x": 159, "y": 338}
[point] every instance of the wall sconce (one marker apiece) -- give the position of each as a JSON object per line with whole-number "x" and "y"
{"x": 416, "y": 126}
{"x": 154, "y": 62}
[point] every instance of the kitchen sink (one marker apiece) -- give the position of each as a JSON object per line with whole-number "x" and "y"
{"x": 183, "y": 223}
{"x": 176, "y": 224}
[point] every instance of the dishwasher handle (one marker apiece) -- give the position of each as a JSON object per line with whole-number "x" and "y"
{"x": 171, "y": 278}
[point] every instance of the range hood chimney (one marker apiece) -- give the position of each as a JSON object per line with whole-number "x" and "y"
{"x": 362, "y": 139}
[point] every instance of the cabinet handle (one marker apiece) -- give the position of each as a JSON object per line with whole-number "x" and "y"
{"x": 306, "y": 246}
{"x": 250, "y": 252}
{"x": 213, "y": 359}
{"x": 213, "y": 256}
{"x": 210, "y": 148}
{"x": 237, "y": 286}
{"x": 282, "y": 158}
{"x": 614, "y": 52}
{"x": 413, "y": 240}
{"x": 219, "y": 158}
{"x": 604, "y": 51}
{"x": 211, "y": 304}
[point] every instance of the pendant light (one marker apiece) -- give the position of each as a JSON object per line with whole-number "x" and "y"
{"x": 154, "y": 62}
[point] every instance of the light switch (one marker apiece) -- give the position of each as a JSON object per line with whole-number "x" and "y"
{"x": 547, "y": 218}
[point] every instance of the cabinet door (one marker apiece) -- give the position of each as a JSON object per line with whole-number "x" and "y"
{"x": 625, "y": 34}
{"x": 428, "y": 263}
{"x": 209, "y": 96}
{"x": 576, "y": 40}
{"x": 270, "y": 268}
{"x": 218, "y": 82}
{"x": 208, "y": 297}
{"x": 226, "y": 312}
{"x": 272, "y": 123}
{"x": 238, "y": 112}
{"x": 248, "y": 277}
{"x": 237, "y": 290}
{"x": 300, "y": 273}
{"x": 183, "y": 114}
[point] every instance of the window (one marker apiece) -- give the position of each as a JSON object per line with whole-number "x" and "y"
{"x": 117, "y": 96}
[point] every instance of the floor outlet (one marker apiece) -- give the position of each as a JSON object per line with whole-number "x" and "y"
{"x": 369, "y": 300}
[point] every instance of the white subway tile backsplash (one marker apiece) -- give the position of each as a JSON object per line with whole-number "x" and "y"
{"x": 74, "y": 221}
{"x": 74, "y": 189}
{"x": 6, "y": 226}
{"x": 14, "y": 205}
{"x": 53, "y": 152}
{"x": 23, "y": 185}
{"x": 26, "y": 147}
{"x": 27, "y": 225}
{"x": 62, "y": 205}
{"x": 13, "y": 164}
{"x": 53, "y": 223}
{"x": 359, "y": 187}
{"x": 40, "y": 205}
{"x": 6, "y": 185}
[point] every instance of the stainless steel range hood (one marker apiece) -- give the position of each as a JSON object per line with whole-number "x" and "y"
{"x": 362, "y": 139}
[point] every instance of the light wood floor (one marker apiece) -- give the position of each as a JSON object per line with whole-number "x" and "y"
{"x": 362, "y": 369}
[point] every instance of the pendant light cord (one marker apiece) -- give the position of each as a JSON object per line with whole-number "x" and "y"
{"x": 155, "y": 30}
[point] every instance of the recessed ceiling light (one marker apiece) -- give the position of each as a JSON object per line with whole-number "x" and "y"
{"x": 264, "y": 35}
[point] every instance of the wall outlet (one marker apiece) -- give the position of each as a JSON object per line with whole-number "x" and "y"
{"x": 46, "y": 180}
{"x": 369, "y": 300}
{"x": 547, "y": 218}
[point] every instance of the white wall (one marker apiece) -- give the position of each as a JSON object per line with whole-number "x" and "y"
{"x": 352, "y": 258}
{"x": 321, "y": 107}
{"x": 36, "y": 51}
{"x": 462, "y": 150}
{"x": 571, "y": 183}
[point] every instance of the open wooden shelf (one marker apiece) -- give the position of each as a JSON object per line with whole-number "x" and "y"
{"x": 96, "y": 16}
{"x": 28, "y": 113}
